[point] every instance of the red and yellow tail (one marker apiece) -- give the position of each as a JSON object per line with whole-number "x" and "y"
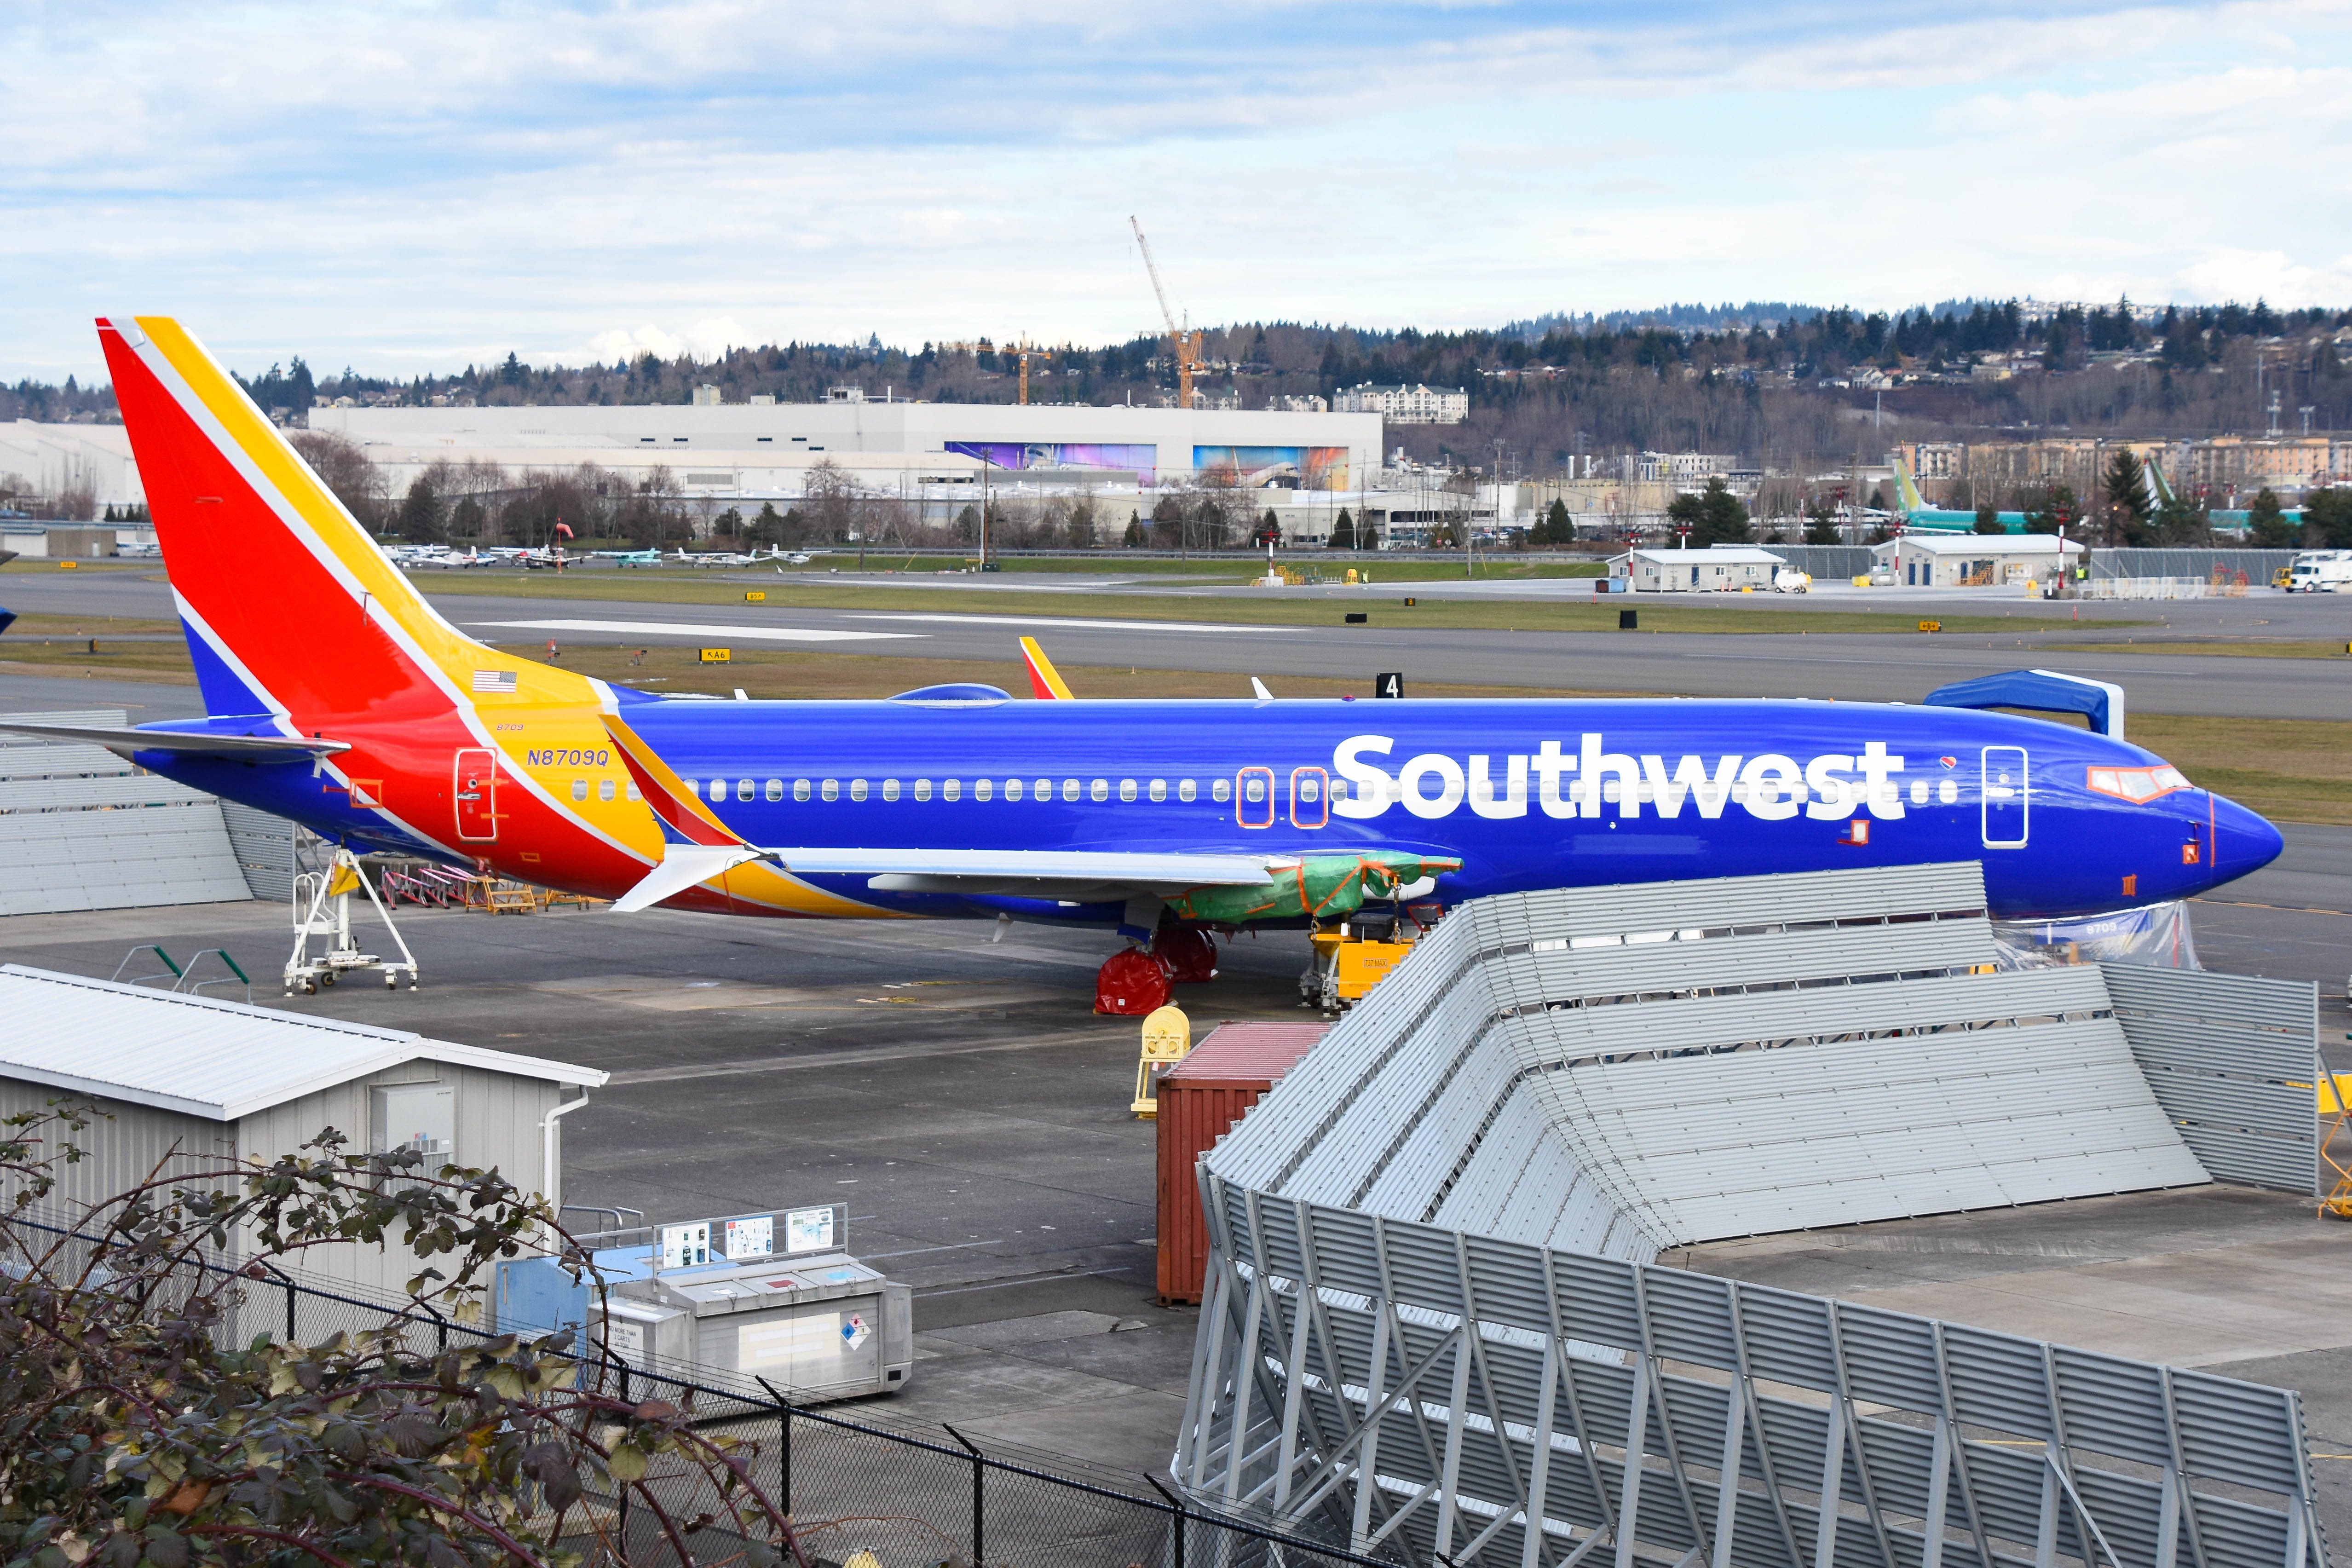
{"x": 291, "y": 610}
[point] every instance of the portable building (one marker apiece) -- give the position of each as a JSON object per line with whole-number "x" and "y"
{"x": 1975, "y": 560}
{"x": 187, "y": 1077}
{"x": 1201, "y": 1098}
{"x": 1724, "y": 569}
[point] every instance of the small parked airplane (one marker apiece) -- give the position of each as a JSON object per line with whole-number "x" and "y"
{"x": 337, "y": 696}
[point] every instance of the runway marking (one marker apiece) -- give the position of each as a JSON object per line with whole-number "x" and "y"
{"x": 1064, "y": 623}
{"x": 2283, "y": 909}
{"x": 687, "y": 629}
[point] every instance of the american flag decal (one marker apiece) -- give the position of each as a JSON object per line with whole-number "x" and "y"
{"x": 494, "y": 680}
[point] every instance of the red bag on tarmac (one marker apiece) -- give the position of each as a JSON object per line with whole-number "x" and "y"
{"x": 1131, "y": 985}
{"x": 1191, "y": 954}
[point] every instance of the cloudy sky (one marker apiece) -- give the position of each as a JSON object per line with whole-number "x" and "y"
{"x": 407, "y": 186}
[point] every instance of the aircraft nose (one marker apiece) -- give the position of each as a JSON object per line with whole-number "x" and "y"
{"x": 2243, "y": 841}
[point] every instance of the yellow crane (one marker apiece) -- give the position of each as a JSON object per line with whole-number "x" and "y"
{"x": 1187, "y": 344}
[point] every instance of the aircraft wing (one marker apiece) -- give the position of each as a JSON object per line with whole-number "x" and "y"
{"x": 1041, "y": 873}
{"x": 187, "y": 743}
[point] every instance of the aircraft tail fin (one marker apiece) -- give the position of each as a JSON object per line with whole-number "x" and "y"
{"x": 1044, "y": 679}
{"x": 1907, "y": 497}
{"x": 291, "y": 609}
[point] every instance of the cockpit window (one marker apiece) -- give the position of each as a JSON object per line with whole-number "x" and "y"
{"x": 2138, "y": 785}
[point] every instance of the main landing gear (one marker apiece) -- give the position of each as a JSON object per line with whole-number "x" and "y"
{"x": 1137, "y": 982}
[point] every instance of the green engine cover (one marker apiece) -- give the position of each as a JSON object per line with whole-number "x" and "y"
{"x": 1326, "y": 886}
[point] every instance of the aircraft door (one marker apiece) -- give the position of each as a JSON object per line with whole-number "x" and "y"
{"x": 2006, "y": 791}
{"x": 1309, "y": 804}
{"x": 476, "y": 795}
{"x": 1253, "y": 797}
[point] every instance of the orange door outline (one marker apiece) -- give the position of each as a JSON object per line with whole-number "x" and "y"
{"x": 1317, "y": 798}
{"x": 1258, "y": 812}
{"x": 474, "y": 780}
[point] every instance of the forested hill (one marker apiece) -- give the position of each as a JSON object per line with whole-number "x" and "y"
{"x": 1756, "y": 379}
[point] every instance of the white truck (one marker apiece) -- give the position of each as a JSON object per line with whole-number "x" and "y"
{"x": 1787, "y": 580}
{"x": 2320, "y": 570}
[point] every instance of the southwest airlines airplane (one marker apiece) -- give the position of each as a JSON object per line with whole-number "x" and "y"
{"x": 336, "y": 696}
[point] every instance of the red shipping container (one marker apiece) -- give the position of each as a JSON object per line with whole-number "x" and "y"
{"x": 1201, "y": 1097}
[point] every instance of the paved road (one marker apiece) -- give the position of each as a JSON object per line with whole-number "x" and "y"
{"x": 1845, "y": 666}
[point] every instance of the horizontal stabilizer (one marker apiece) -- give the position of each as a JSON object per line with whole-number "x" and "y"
{"x": 1091, "y": 868}
{"x": 683, "y": 866}
{"x": 186, "y": 743}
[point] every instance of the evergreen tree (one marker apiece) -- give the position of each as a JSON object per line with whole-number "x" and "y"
{"x": 1987, "y": 520}
{"x": 1714, "y": 516}
{"x": 2126, "y": 484}
{"x": 2181, "y": 522}
{"x": 420, "y": 514}
{"x": 2328, "y": 513}
{"x": 1134, "y": 539}
{"x": 1559, "y": 527}
{"x": 1821, "y": 523}
{"x": 2059, "y": 509}
{"x": 1343, "y": 531}
{"x": 2267, "y": 525}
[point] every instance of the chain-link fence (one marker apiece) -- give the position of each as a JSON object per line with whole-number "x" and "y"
{"x": 909, "y": 1495}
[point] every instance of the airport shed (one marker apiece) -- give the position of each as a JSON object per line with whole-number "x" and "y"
{"x": 1724, "y": 569}
{"x": 1975, "y": 560}
{"x": 203, "y": 1077}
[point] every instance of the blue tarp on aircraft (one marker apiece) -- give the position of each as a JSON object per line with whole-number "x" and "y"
{"x": 2039, "y": 691}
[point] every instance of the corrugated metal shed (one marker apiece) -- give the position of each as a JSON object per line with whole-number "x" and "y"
{"x": 218, "y": 1060}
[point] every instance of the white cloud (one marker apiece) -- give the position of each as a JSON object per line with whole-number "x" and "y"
{"x": 410, "y": 187}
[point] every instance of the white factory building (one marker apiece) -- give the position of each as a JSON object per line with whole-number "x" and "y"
{"x": 759, "y": 450}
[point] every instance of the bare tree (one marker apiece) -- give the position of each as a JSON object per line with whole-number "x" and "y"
{"x": 829, "y": 501}
{"x": 345, "y": 469}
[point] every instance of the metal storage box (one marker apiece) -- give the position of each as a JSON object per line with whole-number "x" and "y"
{"x": 817, "y": 1327}
{"x": 1200, "y": 1099}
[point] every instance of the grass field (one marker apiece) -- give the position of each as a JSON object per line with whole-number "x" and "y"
{"x": 1384, "y": 604}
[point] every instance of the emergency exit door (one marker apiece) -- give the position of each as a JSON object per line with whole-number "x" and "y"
{"x": 2005, "y": 790}
{"x": 476, "y": 795}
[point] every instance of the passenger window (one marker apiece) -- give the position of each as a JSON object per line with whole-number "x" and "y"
{"x": 744, "y": 788}
{"x": 1159, "y": 789}
{"x": 604, "y": 789}
{"x": 1254, "y": 789}
{"x": 800, "y": 789}
{"x": 775, "y": 789}
{"x": 1126, "y": 789}
{"x": 832, "y": 789}
{"x": 984, "y": 789}
{"x": 1069, "y": 789}
{"x": 1012, "y": 789}
{"x": 1919, "y": 792}
{"x": 692, "y": 788}
{"x": 579, "y": 789}
{"x": 857, "y": 789}
{"x": 1100, "y": 790}
{"x": 1308, "y": 790}
{"x": 889, "y": 789}
{"x": 1044, "y": 789}
{"x": 1188, "y": 790}
{"x": 922, "y": 789}
{"x": 1222, "y": 791}
{"x": 951, "y": 789}
{"x": 1948, "y": 792}
{"x": 633, "y": 794}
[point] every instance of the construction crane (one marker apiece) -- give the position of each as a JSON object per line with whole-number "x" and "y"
{"x": 1188, "y": 345}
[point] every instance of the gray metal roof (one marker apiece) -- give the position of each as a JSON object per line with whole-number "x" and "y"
{"x": 1620, "y": 1070}
{"x": 221, "y": 1061}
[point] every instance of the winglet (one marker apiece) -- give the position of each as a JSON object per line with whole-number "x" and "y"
{"x": 1044, "y": 679}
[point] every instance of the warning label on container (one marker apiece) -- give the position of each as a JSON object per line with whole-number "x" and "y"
{"x": 854, "y": 1331}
